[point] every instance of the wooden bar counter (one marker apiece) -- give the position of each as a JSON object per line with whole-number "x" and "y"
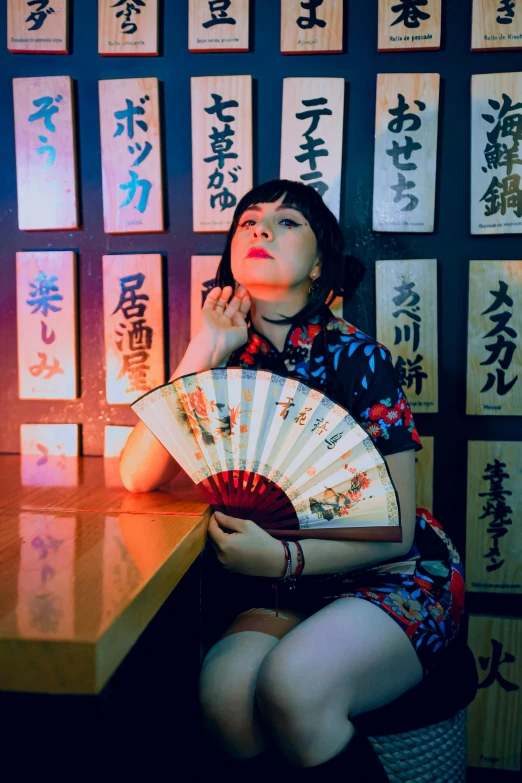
{"x": 99, "y": 596}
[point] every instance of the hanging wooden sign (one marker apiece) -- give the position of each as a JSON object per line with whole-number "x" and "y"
{"x": 133, "y": 321}
{"x": 494, "y": 511}
{"x": 406, "y": 124}
{"x": 38, "y": 28}
{"x": 46, "y": 325}
{"x": 312, "y": 136}
{"x": 49, "y": 455}
{"x": 494, "y": 376}
{"x": 221, "y": 148}
{"x": 424, "y": 474}
{"x": 497, "y": 24}
{"x": 496, "y": 166}
{"x": 45, "y": 153}
{"x": 494, "y": 717}
{"x": 128, "y": 29}
{"x": 314, "y": 27}
{"x": 219, "y": 25}
{"x": 131, "y": 156}
{"x": 406, "y": 293}
{"x": 45, "y": 605}
{"x": 405, "y": 25}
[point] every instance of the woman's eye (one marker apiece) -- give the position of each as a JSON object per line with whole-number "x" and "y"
{"x": 287, "y": 220}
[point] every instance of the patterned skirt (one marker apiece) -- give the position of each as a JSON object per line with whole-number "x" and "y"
{"x": 423, "y": 591}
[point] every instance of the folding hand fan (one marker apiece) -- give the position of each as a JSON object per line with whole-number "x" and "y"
{"x": 271, "y": 449}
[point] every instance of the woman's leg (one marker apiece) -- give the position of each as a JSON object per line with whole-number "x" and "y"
{"x": 347, "y": 658}
{"x": 228, "y": 680}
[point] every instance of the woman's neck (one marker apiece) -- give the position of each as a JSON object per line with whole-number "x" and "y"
{"x": 276, "y": 333}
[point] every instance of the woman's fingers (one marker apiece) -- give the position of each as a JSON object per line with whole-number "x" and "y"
{"x": 216, "y": 295}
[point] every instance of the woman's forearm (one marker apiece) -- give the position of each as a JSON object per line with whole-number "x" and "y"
{"x": 332, "y": 557}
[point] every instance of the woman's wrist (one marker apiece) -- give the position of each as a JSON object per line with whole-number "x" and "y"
{"x": 198, "y": 358}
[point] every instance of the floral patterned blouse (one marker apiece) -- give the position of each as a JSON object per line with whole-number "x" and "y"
{"x": 331, "y": 355}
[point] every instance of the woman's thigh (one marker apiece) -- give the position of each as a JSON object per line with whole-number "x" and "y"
{"x": 352, "y": 656}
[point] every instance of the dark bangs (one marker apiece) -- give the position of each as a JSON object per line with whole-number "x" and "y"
{"x": 340, "y": 275}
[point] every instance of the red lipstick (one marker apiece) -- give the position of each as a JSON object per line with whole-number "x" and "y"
{"x": 258, "y": 252}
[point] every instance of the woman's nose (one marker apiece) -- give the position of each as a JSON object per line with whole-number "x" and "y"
{"x": 262, "y": 230}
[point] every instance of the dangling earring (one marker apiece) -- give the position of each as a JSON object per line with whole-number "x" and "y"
{"x": 311, "y": 285}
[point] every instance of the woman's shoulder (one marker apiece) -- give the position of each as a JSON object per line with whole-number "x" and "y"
{"x": 342, "y": 333}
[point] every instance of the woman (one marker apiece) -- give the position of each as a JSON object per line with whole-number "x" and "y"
{"x": 288, "y": 681}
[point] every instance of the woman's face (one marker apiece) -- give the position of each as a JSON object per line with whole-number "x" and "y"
{"x": 283, "y": 233}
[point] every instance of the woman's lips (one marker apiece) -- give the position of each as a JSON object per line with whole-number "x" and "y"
{"x": 258, "y": 254}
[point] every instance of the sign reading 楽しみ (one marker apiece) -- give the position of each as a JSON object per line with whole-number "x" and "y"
{"x": 409, "y": 24}
{"x": 218, "y": 25}
{"x": 496, "y": 166}
{"x": 312, "y": 135}
{"x": 133, "y": 323}
{"x": 221, "y": 148}
{"x": 37, "y": 27}
{"x": 45, "y": 153}
{"x": 131, "y": 156}
{"x": 406, "y": 124}
{"x": 46, "y": 325}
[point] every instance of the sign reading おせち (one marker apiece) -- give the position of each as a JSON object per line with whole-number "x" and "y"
{"x": 406, "y": 125}
{"x": 497, "y": 24}
{"x": 407, "y": 324}
{"x": 46, "y": 325}
{"x": 409, "y": 24}
{"x": 128, "y": 28}
{"x": 45, "y": 153}
{"x": 218, "y": 25}
{"x": 221, "y": 148}
{"x": 37, "y": 27}
{"x": 311, "y": 27}
{"x": 494, "y": 378}
{"x": 496, "y": 166}
{"x": 133, "y": 323}
{"x": 131, "y": 156}
{"x": 312, "y": 136}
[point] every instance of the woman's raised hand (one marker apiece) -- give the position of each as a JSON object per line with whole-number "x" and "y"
{"x": 223, "y": 326}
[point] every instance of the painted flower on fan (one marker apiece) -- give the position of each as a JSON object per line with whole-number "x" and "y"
{"x": 197, "y": 401}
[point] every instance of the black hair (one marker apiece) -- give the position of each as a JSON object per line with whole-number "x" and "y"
{"x": 340, "y": 274}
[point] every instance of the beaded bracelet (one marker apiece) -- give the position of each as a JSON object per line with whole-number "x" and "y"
{"x": 288, "y": 577}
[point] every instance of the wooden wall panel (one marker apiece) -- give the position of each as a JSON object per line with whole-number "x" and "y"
{"x": 406, "y": 297}
{"x": 312, "y": 136}
{"x": 128, "y": 29}
{"x": 409, "y": 26}
{"x": 494, "y": 372}
{"x": 219, "y": 26}
{"x": 405, "y": 164}
{"x": 312, "y": 27}
{"x": 131, "y": 156}
{"x": 494, "y": 511}
{"x": 221, "y": 148}
{"x": 497, "y": 24}
{"x": 43, "y": 29}
{"x": 46, "y": 325}
{"x": 45, "y": 153}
